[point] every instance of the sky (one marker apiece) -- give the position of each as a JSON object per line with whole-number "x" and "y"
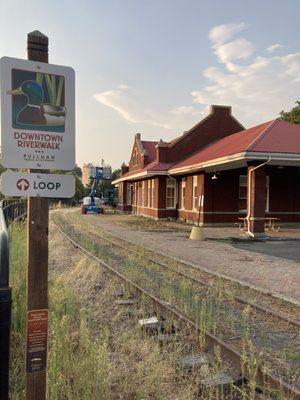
{"x": 155, "y": 66}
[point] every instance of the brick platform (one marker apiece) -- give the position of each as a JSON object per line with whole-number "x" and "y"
{"x": 276, "y": 274}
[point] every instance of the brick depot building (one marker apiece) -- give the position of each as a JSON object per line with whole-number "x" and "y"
{"x": 217, "y": 170}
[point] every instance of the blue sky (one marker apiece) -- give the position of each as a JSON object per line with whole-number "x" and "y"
{"x": 154, "y": 66}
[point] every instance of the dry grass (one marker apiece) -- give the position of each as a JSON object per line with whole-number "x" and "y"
{"x": 210, "y": 315}
{"x": 137, "y": 367}
{"x": 96, "y": 350}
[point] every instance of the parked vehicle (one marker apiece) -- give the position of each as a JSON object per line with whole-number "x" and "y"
{"x": 91, "y": 204}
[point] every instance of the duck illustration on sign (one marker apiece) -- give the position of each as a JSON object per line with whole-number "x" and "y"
{"x": 37, "y": 101}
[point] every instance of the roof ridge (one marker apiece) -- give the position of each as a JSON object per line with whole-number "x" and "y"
{"x": 211, "y": 144}
{"x": 261, "y": 135}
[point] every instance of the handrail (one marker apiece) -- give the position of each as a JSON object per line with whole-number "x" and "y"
{"x": 10, "y": 210}
{"x": 4, "y": 252}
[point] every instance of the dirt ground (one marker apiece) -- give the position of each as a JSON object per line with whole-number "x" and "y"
{"x": 271, "y": 266}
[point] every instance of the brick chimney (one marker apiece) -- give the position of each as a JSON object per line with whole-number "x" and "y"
{"x": 124, "y": 169}
{"x": 161, "y": 151}
{"x": 224, "y": 110}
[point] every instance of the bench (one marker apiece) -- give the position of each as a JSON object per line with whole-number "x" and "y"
{"x": 271, "y": 223}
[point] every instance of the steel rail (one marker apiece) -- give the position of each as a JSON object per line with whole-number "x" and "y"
{"x": 227, "y": 351}
{"x": 200, "y": 281}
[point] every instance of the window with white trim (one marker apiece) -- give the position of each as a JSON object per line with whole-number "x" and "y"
{"x": 143, "y": 194}
{"x": 140, "y": 194}
{"x": 133, "y": 194}
{"x": 243, "y": 193}
{"x": 243, "y": 189}
{"x": 183, "y": 193}
{"x": 128, "y": 193}
{"x": 151, "y": 193}
{"x": 171, "y": 193}
{"x": 268, "y": 193}
{"x": 195, "y": 193}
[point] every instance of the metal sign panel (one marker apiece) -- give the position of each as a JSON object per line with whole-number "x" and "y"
{"x": 37, "y": 333}
{"x": 37, "y": 115}
{"x": 37, "y": 185}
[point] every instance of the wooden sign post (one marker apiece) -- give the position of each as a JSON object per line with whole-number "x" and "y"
{"x": 37, "y": 249}
{"x": 37, "y": 133}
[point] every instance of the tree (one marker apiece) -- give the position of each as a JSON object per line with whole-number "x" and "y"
{"x": 108, "y": 190}
{"x": 77, "y": 172}
{"x": 2, "y": 169}
{"x": 79, "y": 188}
{"x": 293, "y": 115}
{"x": 116, "y": 174}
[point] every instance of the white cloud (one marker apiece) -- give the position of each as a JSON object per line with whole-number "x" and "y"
{"x": 228, "y": 51}
{"x": 116, "y": 100}
{"x": 129, "y": 104}
{"x": 221, "y": 33}
{"x": 274, "y": 47}
{"x": 235, "y": 50}
{"x": 291, "y": 63}
{"x": 184, "y": 110}
{"x": 257, "y": 88}
{"x": 124, "y": 87}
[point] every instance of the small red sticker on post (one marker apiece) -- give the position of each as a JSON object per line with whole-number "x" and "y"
{"x": 37, "y": 338}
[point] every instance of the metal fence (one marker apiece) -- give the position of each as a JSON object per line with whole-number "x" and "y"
{"x": 10, "y": 210}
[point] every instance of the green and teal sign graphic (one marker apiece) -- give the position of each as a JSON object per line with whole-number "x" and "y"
{"x": 38, "y": 101}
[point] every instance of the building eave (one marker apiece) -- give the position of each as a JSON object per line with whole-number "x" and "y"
{"x": 238, "y": 160}
{"x": 207, "y": 164}
{"x": 232, "y": 161}
{"x": 277, "y": 158}
{"x": 139, "y": 175}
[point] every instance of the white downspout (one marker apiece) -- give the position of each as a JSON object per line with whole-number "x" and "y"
{"x": 249, "y": 191}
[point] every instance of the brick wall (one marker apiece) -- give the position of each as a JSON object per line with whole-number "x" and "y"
{"x": 284, "y": 193}
{"x": 189, "y": 213}
{"x": 221, "y": 197}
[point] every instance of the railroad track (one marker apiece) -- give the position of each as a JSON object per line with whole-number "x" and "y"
{"x": 124, "y": 244}
{"x": 228, "y": 351}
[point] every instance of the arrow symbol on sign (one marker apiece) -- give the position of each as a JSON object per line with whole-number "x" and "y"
{"x": 22, "y": 184}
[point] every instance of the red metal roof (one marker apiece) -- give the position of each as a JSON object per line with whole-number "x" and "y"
{"x": 274, "y": 136}
{"x": 159, "y": 166}
{"x": 270, "y": 137}
{"x": 280, "y": 137}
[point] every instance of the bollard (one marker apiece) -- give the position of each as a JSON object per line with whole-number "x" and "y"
{"x": 197, "y": 233}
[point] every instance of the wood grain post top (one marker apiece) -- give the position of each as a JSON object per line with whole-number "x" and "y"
{"x": 37, "y": 46}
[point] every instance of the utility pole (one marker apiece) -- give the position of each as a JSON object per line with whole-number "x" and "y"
{"x": 37, "y": 253}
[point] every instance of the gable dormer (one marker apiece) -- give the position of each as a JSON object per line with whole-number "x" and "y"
{"x": 139, "y": 155}
{"x": 218, "y": 124}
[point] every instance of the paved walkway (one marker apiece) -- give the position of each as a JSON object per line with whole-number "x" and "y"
{"x": 252, "y": 265}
